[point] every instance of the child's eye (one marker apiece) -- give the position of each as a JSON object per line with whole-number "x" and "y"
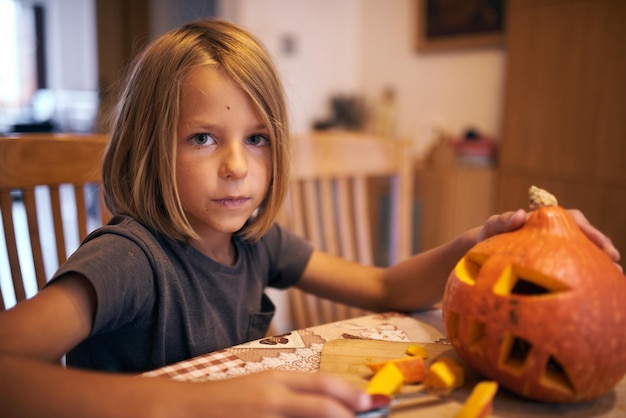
{"x": 202, "y": 139}
{"x": 257, "y": 140}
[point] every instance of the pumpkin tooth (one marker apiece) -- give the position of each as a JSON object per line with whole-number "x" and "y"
{"x": 555, "y": 376}
{"x": 514, "y": 353}
{"x": 475, "y": 334}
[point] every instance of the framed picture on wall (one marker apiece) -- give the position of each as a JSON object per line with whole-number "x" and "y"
{"x": 457, "y": 24}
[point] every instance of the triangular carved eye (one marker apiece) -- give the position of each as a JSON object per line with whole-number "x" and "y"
{"x": 521, "y": 281}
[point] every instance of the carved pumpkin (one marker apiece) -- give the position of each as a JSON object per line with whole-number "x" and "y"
{"x": 542, "y": 310}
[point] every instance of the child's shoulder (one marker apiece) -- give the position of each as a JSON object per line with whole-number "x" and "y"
{"x": 126, "y": 227}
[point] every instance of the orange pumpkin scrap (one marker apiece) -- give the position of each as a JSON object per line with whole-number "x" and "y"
{"x": 416, "y": 350}
{"x": 412, "y": 368}
{"x": 387, "y": 381}
{"x": 444, "y": 375}
{"x": 541, "y": 309}
{"x": 480, "y": 401}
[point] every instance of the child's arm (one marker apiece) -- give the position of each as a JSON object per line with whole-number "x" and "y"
{"x": 418, "y": 282}
{"x": 37, "y": 332}
{"x": 32, "y": 388}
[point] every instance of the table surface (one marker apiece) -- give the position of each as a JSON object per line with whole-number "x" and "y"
{"x": 300, "y": 350}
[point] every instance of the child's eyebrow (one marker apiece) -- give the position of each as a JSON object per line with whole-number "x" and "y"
{"x": 261, "y": 128}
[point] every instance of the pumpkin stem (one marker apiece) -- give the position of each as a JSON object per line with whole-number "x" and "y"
{"x": 540, "y": 198}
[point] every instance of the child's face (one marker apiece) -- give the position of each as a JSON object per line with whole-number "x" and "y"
{"x": 223, "y": 161}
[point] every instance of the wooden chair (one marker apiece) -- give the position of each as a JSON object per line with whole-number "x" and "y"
{"x": 30, "y": 163}
{"x": 350, "y": 195}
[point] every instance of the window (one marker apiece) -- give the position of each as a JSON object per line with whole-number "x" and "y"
{"x": 18, "y": 80}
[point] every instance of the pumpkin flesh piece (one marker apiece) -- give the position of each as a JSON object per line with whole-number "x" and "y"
{"x": 387, "y": 381}
{"x": 416, "y": 350}
{"x": 444, "y": 375}
{"x": 412, "y": 368}
{"x": 480, "y": 401}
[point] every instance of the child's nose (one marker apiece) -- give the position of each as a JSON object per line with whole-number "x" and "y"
{"x": 234, "y": 163}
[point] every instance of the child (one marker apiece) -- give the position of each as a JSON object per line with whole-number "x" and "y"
{"x": 194, "y": 174}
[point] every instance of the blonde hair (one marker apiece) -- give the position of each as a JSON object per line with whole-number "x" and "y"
{"x": 139, "y": 173}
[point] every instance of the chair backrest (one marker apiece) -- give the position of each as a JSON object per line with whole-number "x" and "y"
{"x": 43, "y": 222}
{"x": 350, "y": 195}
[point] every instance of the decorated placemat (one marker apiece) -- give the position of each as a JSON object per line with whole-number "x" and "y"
{"x": 300, "y": 350}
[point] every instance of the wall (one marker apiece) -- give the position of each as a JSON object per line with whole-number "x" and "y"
{"x": 74, "y": 68}
{"x": 363, "y": 46}
{"x": 436, "y": 90}
{"x": 71, "y": 44}
{"x": 324, "y": 59}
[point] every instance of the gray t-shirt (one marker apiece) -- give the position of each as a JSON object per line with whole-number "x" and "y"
{"x": 160, "y": 301}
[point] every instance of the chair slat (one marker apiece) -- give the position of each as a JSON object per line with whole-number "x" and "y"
{"x": 345, "y": 230}
{"x": 33, "y": 233}
{"x": 361, "y": 217}
{"x": 296, "y": 211}
{"x": 297, "y": 308}
{"x": 327, "y": 218}
{"x": 6, "y": 204}
{"x": 81, "y": 210}
{"x": 57, "y": 223}
{"x": 311, "y": 213}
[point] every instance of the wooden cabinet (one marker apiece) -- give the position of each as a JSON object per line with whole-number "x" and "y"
{"x": 564, "y": 126}
{"x": 123, "y": 29}
{"x": 452, "y": 200}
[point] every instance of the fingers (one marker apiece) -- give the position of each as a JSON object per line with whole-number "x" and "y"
{"x": 505, "y": 222}
{"x": 510, "y": 221}
{"x": 279, "y": 393}
{"x": 595, "y": 235}
{"x": 323, "y": 395}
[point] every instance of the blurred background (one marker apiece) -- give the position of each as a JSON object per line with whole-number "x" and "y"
{"x": 67, "y": 50}
{"x": 541, "y": 100}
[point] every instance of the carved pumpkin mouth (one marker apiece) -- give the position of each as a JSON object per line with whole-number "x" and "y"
{"x": 514, "y": 353}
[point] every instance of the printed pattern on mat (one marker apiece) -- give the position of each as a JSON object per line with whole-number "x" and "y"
{"x": 201, "y": 367}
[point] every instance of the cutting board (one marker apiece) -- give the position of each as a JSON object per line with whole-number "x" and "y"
{"x": 348, "y": 357}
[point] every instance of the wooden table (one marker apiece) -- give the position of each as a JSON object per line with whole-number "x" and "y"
{"x": 301, "y": 350}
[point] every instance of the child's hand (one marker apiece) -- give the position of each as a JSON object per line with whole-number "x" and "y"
{"x": 504, "y": 222}
{"x": 283, "y": 394}
{"x": 510, "y": 221}
{"x": 595, "y": 235}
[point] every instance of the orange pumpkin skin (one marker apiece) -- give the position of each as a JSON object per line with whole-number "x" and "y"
{"x": 541, "y": 310}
